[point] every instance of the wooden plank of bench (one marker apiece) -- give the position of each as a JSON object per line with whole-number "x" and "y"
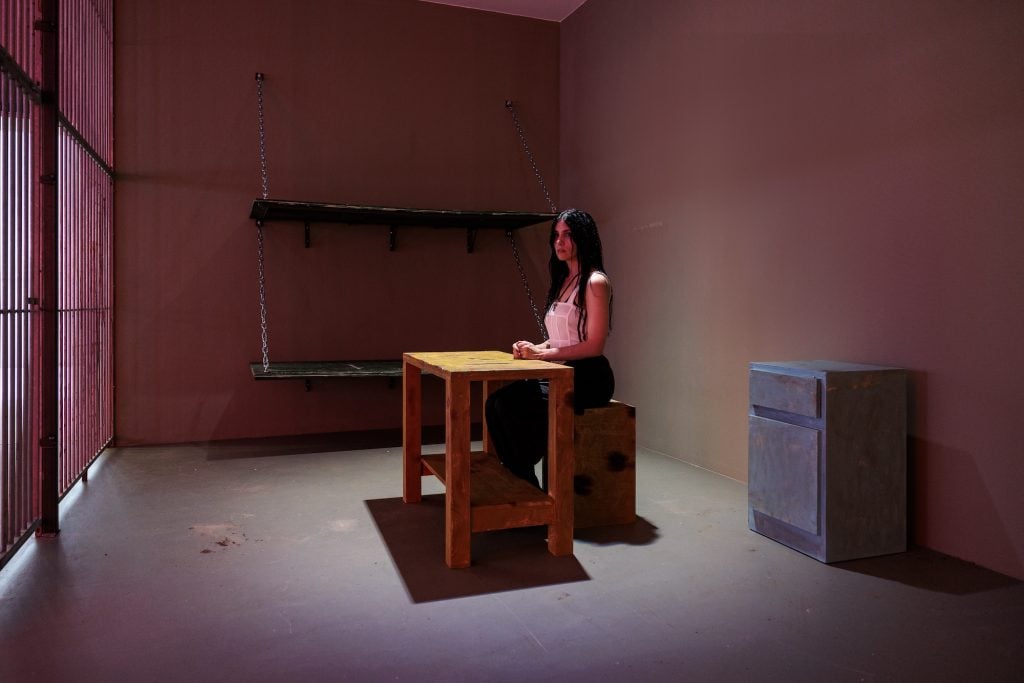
{"x": 334, "y": 368}
{"x": 498, "y": 498}
{"x": 323, "y": 212}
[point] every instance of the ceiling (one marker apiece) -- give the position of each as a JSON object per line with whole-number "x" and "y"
{"x": 548, "y": 10}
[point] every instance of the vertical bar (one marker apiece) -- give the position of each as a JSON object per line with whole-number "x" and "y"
{"x": 412, "y": 433}
{"x": 8, "y": 230}
{"x": 74, "y": 67}
{"x": 11, "y": 468}
{"x": 5, "y": 229}
{"x": 457, "y": 524}
{"x": 61, "y": 274}
{"x": 560, "y": 462}
{"x": 46, "y": 140}
{"x": 68, "y": 191}
{"x": 18, "y": 270}
{"x": 108, "y": 303}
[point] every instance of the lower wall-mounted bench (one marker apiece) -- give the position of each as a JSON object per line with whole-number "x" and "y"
{"x": 316, "y": 369}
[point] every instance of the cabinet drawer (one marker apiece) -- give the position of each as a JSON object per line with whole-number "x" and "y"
{"x": 784, "y": 472}
{"x": 790, "y": 393}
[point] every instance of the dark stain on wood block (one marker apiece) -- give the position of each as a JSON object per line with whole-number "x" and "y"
{"x": 617, "y": 461}
{"x": 582, "y": 485}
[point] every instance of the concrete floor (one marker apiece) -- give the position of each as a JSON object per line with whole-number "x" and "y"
{"x": 292, "y": 560}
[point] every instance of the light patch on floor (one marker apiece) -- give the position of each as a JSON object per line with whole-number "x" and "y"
{"x": 343, "y": 525}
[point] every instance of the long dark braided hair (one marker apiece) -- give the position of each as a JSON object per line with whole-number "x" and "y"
{"x": 583, "y": 231}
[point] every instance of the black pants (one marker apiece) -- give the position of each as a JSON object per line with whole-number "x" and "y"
{"x": 517, "y": 414}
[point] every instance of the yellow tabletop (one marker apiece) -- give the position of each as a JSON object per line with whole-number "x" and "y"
{"x": 479, "y": 365}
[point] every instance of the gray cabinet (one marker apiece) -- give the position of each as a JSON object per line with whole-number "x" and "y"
{"x": 827, "y": 458}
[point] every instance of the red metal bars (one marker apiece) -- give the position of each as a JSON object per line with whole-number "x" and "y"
{"x": 15, "y": 428}
{"x": 84, "y": 315}
{"x": 56, "y": 246}
{"x": 18, "y": 69}
{"x": 16, "y": 36}
{"x": 85, "y": 244}
{"x": 87, "y": 58}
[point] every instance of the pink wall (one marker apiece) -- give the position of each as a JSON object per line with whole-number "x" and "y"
{"x": 792, "y": 180}
{"x": 376, "y": 102}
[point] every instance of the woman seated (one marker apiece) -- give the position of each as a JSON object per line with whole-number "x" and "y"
{"x": 578, "y": 320}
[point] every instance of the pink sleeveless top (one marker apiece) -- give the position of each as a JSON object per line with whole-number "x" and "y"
{"x": 562, "y": 322}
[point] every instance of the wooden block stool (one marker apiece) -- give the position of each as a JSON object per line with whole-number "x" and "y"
{"x": 605, "y": 472}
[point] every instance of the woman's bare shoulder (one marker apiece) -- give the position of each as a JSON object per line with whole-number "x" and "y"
{"x": 599, "y": 280}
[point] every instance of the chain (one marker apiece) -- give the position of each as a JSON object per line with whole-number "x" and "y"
{"x": 526, "y": 284}
{"x": 263, "y": 139}
{"x": 511, "y": 106}
{"x": 264, "y": 344}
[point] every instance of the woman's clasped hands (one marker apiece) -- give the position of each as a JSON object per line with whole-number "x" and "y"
{"x": 526, "y": 350}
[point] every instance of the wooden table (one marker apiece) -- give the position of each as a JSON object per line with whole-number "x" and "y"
{"x": 480, "y": 494}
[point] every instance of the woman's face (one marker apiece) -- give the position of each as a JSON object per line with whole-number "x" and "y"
{"x": 565, "y": 248}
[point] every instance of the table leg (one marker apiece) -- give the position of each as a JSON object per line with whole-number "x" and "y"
{"x": 560, "y": 464}
{"x": 456, "y": 465}
{"x": 412, "y": 434}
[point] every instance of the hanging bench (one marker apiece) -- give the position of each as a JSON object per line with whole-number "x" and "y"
{"x": 278, "y": 210}
{"x": 267, "y": 210}
{"x": 327, "y": 368}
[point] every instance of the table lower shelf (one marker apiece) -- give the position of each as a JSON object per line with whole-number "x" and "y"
{"x": 498, "y": 499}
